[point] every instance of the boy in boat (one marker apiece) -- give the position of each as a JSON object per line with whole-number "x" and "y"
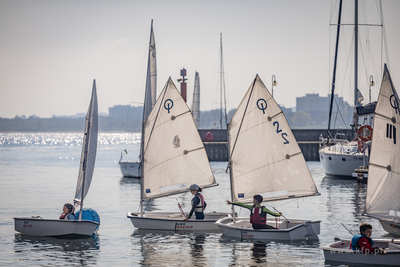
{"x": 258, "y": 215}
{"x": 363, "y": 241}
{"x": 68, "y": 212}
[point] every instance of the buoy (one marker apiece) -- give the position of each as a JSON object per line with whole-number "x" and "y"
{"x": 209, "y": 137}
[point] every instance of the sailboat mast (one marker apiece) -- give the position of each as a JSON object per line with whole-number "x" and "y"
{"x": 334, "y": 67}
{"x": 230, "y": 174}
{"x": 220, "y": 78}
{"x": 84, "y": 165}
{"x": 355, "y": 117}
{"x": 141, "y": 168}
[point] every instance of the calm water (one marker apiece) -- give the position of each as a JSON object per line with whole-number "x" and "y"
{"x": 39, "y": 173}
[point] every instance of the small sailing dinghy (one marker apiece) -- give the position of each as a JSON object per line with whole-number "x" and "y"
{"x": 87, "y": 221}
{"x": 265, "y": 159}
{"x": 132, "y": 168}
{"x": 383, "y": 189}
{"x": 174, "y": 157}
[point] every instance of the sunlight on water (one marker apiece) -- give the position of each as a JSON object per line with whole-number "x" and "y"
{"x": 64, "y": 139}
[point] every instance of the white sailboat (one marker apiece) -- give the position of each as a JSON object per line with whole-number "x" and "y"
{"x": 265, "y": 159}
{"x": 340, "y": 157}
{"x": 196, "y": 100}
{"x": 35, "y": 225}
{"x": 382, "y": 201}
{"x": 174, "y": 157}
{"x": 132, "y": 168}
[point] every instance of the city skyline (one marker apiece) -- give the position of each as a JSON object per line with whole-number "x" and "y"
{"x": 51, "y": 51}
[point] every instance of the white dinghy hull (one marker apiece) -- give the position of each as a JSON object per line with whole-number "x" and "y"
{"x": 390, "y": 227}
{"x": 172, "y": 221}
{"x": 130, "y": 168}
{"x": 293, "y": 230}
{"x": 340, "y": 252}
{"x": 54, "y": 227}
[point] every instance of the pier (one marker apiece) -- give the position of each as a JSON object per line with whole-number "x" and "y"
{"x": 308, "y": 140}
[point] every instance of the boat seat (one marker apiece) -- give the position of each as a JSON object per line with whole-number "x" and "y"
{"x": 174, "y": 216}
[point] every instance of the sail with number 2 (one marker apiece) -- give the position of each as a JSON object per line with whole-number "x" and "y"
{"x": 265, "y": 157}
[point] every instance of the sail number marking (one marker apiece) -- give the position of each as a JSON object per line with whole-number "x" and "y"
{"x": 168, "y": 104}
{"x": 391, "y": 132}
{"x": 262, "y": 104}
{"x": 276, "y": 123}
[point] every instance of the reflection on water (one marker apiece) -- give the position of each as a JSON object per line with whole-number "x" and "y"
{"x": 56, "y": 251}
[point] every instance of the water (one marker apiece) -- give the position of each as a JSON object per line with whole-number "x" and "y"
{"x": 39, "y": 173}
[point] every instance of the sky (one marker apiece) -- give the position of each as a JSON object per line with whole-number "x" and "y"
{"x": 51, "y": 50}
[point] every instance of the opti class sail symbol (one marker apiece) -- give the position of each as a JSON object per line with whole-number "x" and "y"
{"x": 168, "y": 104}
{"x": 262, "y": 105}
{"x": 394, "y": 102}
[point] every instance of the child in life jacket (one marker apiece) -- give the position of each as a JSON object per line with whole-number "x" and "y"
{"x": 68, "y": 212}
{"x": 363, "y": 241}
{"x": 198, "y": 203}
{"x": 258, "y": 215}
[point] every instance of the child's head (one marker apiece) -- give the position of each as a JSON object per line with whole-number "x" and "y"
{"x": 68, "y": 208}
{"x": 366, "y": 229}
{"x": 257, "y": 199}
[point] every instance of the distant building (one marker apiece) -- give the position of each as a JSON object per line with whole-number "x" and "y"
{"x": 315, "y": 103}
{"x": 125, "y": 111}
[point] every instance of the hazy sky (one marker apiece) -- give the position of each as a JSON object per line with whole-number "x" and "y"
{"x": 50, "y": 51}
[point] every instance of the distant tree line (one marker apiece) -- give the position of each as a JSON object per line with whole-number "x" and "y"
{"x": 208, "y": 120}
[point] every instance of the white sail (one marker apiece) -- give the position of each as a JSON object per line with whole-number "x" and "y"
{"x": 383, "y": 200}
{"x": 196, "y": 100}
{"x": 174, "y": 155}
{"x": 151, "y": 78}
{"x": 89, "y": 149}
{"x": 265, "y": 157}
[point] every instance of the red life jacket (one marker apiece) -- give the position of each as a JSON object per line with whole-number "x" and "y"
{"x": 258, "y": 216}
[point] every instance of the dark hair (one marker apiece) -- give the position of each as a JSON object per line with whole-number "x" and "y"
{"x": 365, "y": 226}
{"x": 259, "y": 198}
{"x": 199, "y": 190}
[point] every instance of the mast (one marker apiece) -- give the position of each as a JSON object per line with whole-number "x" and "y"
{"x": 222, "y": 86}
{"x": 85, "y": 163}
{"x": 355, "y": 117}
{"x": 334, "y": 68}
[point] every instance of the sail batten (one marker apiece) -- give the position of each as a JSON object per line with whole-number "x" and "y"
{"x": 382, "y": 200}
{"x": 266, "y": 158}
{"x": 174, "y": 154}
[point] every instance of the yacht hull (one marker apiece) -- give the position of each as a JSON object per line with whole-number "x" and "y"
{"x": 130, "y": 168}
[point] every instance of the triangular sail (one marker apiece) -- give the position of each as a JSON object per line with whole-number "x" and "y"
{"x": 196, "y": 100}
{"x": 151, "y": 78}
{"x": 174, "y": 155}
{"x": 265, "y": 157}
{"x": 383, "y": 200}
{"x": 89, "y": 149}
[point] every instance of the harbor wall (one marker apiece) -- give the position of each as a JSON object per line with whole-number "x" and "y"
{"x": 308, "y": 140}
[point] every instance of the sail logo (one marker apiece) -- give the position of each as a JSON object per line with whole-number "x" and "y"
{"x": 262, "y": 104}
{"x": 241, "y": 195}
{"x": 176, "y": 142}
{"x": 168, "y": 104}
{"x": 394, "y": 102}
{"x": 391, "y": 132}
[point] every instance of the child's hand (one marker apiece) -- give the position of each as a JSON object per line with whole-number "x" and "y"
{"x": 228, "y": 202}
